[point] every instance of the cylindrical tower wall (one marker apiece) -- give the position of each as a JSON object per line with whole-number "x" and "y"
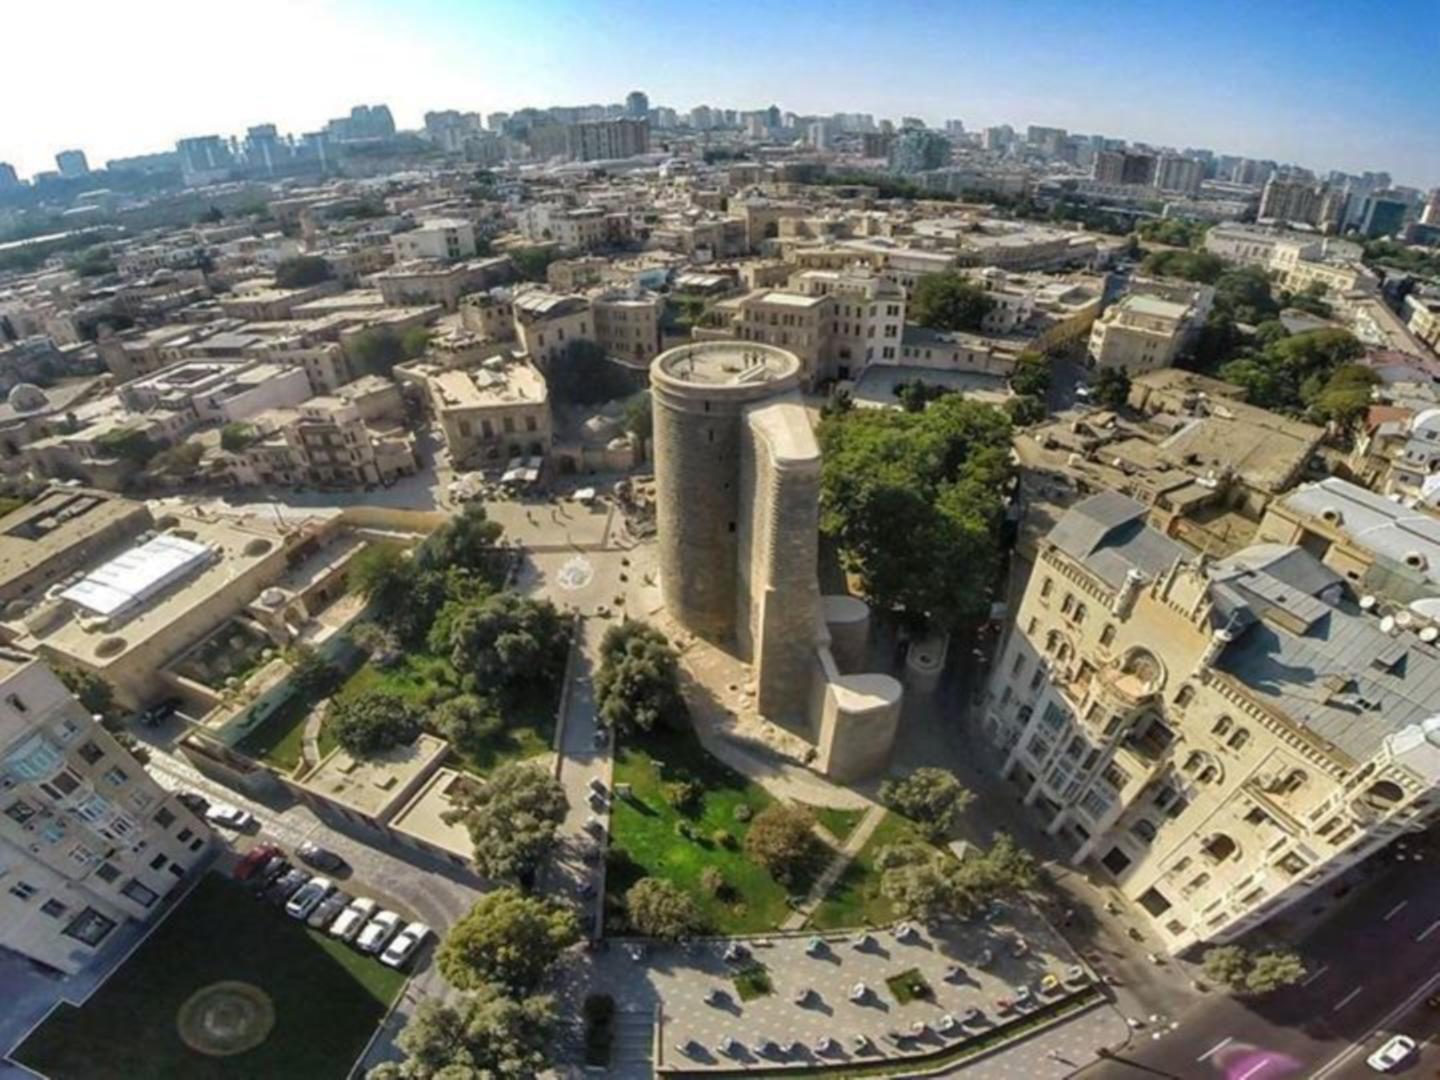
{"x": 698, "y": 394}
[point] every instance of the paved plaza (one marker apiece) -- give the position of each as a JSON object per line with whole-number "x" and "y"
{"x": 814, "y": 981}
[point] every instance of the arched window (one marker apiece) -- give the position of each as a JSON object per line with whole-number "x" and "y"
{"x": 1219, "y": 847}
{"x": 1194, "y": 761}
{"x": 1293, "y": 782}
{"x": 1383, "y": 794}
{"x": 1144, "y": 830}
{"x": 1208, "y": 775}
{"x": 1052, "y": 641}
{"x": 1185, "y": 696}
{"x": 1221, "y": 727}
{"x": 1239, "y": 739}
{"x": 1079, "y": 615}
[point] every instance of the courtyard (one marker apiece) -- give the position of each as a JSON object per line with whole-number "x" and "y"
{"x": 309, "y": 1002}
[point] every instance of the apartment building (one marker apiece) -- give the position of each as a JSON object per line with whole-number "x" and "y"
{"x": 1142, "y": 332}
{"x": 88, "y": 841}
{"x": 1222, "y": 739}
{"x": 1424, "y": 319}
{"x": 489, "y": 414}
{"x": 627, "y": 323}
{"x": 1048, "y": 312}
{"x": 545, "y": 322}
{"x": 447, "y": 239}
{"x": 427, "y": 281}
{"x": 579, "y": 228}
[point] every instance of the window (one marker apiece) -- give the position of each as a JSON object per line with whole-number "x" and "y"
{"x": 35, "y": 759}
{"x": 183, "y": 835}
{"x": 1068, "y": 604}
{"x": 197, "y": 844}
{"x": 164, "y": 818}
{"x": 1199, "y": 881}
{"x": 117, "y": 776}
{"x": 90, "y": 752}
{"x": 177, "y": 870}
{"x": 23, "y": 890}
{"x": 1154, "y": 901}
{"x": 1222, "y": 726}
{"x": 90, "y": 927}
{"x": 107, "y": 872}
{"x": 1107, "y": 636}
{"x": 61, "y": 785}
{"x": 1018, "y": 666}
{"x": 1079, "y": 616}
{"x": 1219, "y": 847}
{"x": 1053, "y": 717}
{"x": 1116, "y": 861}
{"x": 20, "y": 811}
{"x": 1257, "y": 817}
{"x": 16, "y": 703}
{"x": 53, "y": 908}
{"x": 1144, "y": 830}
{"x": 1185, "y": 696}
{"x": 1239, "y": 739}
{"x": 1038, "y": 747}
{"x": 158, "y": 863}
{"x": 1096, "y": 804}
{"x": 1045, "y": 587}
{"x": 141, "y": 893}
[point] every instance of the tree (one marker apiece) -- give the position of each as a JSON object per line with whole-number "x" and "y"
{"x": 780, "y": 840}
{"x": 1198, "y": 266}
{"x": 532, "y": 262}
{"x": 383, "y": 574}
{"x": 1226, "y": 965}
{"x": 1177, "y": 232}
{"x": 311, "y": 674}
{"x": 379, "y": 642}
{"x": 484, "y": 1033}
{"x": 936, "y": 478}
{"x": 468, "y": 540}
{"x": 1111, "y": 387}
{"x": 128, "y": 444}
{"x": 661, "y": 909}
{"x": 512, "y": 820}
{"x": 507, "y": 639}
{"x": 933, "y": 798}
{"x": 177, "y": 460}
{"x": 212, "y": 216}
{"x": 372, "y": 722}
{"x": 915, "y": 394}
{"x": 583, "y": 374}
{"x": 1273, "y": 970}
{"x": 378, "y": 350}
{"x": 637, "y": 686}
{"x": 1345, "y": 396}
{"x": 507, "y": 938}
{"x": 1006, "y": 867}
{"x": 920, "y": 881}
{"x": 302, "y": 271}
{"x": 237, "y": 435}
{"x": 93, "y": 692}
{"x": 1031, "y": 375}
{"x": 639, "y": 417}
{"x": 949, "y": 302}
{"x": 468, "y": 721}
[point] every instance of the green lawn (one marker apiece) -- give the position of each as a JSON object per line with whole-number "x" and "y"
{"x": 909, "y": 986}
{"x": 645, "y": 829}
{"x": 855, "y": 900}
{"x": 328, "y": 999}
{"x": 841, "y": 823}
{"x": 753, "y": 981}
{"x": 279, "y": 738}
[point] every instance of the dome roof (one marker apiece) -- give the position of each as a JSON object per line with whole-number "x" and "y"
{"x": 27, "y": 397}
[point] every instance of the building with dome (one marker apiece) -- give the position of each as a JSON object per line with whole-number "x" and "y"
{"x": 1221, "y": 739}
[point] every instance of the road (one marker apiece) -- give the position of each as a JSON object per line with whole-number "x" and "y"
{"x": 1371, "y": 967}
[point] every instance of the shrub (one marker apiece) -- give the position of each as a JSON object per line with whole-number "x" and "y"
{"x": 684, "y": 795}
{"x": 743, "y": 813}
{"x": 712, "y": 881}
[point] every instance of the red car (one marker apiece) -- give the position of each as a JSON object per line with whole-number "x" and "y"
{"x": 253, "y": 860}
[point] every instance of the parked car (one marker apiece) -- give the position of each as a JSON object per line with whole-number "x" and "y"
{"x": 320, "y": 858}
{"x": 276, "y": 867}
{"x": 194, "y": 802}
{"x": 399, "y": 951}
{"x": 253, "y": 860}
{"x": 353, "y": 919}
{"x": 378, "y": 931}
{"x": 286, "y": 886}
{"x": 1396, "y": 1050}
{"x": 307, "y": 898}
{"x": 229, "y": 817}
{"x": 329, "y": 909}
{"x": 160, "y": 712}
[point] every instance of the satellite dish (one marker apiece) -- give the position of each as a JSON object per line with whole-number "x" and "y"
{"x": 1429, "y": 634}
{"x": 1404, "y": 619}
{"x": 1367, "y": 603}
{"x": 1387, "y": 624}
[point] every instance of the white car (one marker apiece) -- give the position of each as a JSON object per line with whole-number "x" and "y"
{"x": 230, "y": 817}
{"x": 350, "y": 921}
{"x": 403, "y": 947}
{"x": 307, "y": 898}
{"x": 1392, "y": 1053}
{"x": 377, "y": 932}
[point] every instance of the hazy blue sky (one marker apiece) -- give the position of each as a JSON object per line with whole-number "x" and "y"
{"x": 1339, "y": 85}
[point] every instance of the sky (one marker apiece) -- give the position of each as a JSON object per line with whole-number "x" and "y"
{"x": 1327, "y": 85}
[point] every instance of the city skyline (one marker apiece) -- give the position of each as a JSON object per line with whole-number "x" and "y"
{"x": 1319, "y": 93}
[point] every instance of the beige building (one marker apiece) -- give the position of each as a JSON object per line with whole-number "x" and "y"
{"x": 489, "y": 414}
{"x": 627, "y": 324}
{"x": 1221, "y": 739}
{"x": 88, "y": 841}
{"x": 1424, "y": 320}
{"x": 1140, "y": 333}
{"x": 60, "y": 531}
{"x": 446, "y": 239}
{"x": 428, "y": 281}
{"x": 546, "y": 322}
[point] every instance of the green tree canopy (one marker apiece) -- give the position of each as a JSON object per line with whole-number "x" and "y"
{"x": 936, "y": 478}
{"x": 933, "y": 798}
{"x": 637, "y": 686}
{"x": 1189, "y": 265}
{"x": 467, "y": 540}
{"x": 1111, "y": 387}
{"x": 312, "y": 674}
{"x": 507, "y": 639}
{"x": 583, "y": 374}
{"x": 508, "y": 938}
{"x": 467, "y": 721}
{"x": 129, "y": 444}
{"x": 1031, "y": 376}
{"x": 237, "y": 435}
{"x": 512, "y": 819}
{"x": 1239, "y": 969}
{"x": 482, "y": 1034}
{"x": 661, "y": 909}
{"x": 377, "y": 351}
{"x": 949, "y": 301}
{"x": 780, "y": 840}
{"x": 302, "y": 271}
{"x": 177, "y": 461}
{"x": 1177, "y": 232}
{"x": 372, "y": 722}
{"x": 1286, "y": 372}
{"x": 531, "y": 263}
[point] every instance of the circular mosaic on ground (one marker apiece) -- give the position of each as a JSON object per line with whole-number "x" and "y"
{"x": 576, "y": 573}
{"x": 225, "y": 1018}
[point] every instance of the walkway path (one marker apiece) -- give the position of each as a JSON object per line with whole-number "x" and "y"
{"x": 310, "y": 744}
{"x": 838, "y": 865}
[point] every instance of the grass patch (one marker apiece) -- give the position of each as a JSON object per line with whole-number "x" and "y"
{"x": 645, "y": 829}
{"x": 752, "y": 981}
{"x": 327, "y": 998}
{"x": 909, "y": 986}
{"x": 840, "y": 823}
{"x": 279, "y": 739}
{"x": 856, "y": 899}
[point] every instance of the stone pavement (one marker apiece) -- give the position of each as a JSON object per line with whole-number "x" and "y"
{"x": 838, "y": 865}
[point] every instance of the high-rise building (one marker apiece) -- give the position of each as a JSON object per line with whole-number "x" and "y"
{"x": 908, "y": 123}
{"x": 1383, "y": 214}
{"x": 998, "y": 139}
{"x": 1431, "y": 214}
{"x": 637, "y": 105}
{"x": 9, "y": 179}
{"x": 88, "y": 841}
{"x": 1125, "y": 167}
{"x": 204, "y": 159}
{"x": 817, "y": 134}
{"x": 916, "y": 150}
{"x": 954, "y": 127}
{"x": 1182, "y": 175}
{"x": 1296, "y": 201}
{"x": 1047, "y": 140}
{"x": 592, "y": 140}
{"x": 72, "y": 164}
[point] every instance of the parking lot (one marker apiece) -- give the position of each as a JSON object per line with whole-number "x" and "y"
{"x": 836, "y": 998}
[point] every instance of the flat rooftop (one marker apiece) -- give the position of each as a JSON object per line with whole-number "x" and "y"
{"x": 506, "y": 383}
{"x": 132, "y": 577}
{"x": 375, "y": 787}
{"x": 48, "y": 526}
{"x": 423, "y": 817}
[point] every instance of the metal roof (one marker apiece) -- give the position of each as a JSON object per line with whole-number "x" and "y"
{"x": 128, "y": 580}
